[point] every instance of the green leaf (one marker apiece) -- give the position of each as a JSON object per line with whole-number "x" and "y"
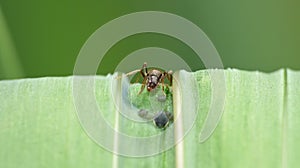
{"x": 251, "y": 130}
{"x": 41, "y": 124}
{"x": 292, "y": 120}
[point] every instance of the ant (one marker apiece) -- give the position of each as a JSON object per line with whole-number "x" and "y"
{"x": 152, "y": 78}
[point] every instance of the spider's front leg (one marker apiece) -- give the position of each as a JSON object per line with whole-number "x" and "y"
{"x": 164, "y": 75}
{"x": 144, "y": 73}
{"x": 143, "y": 85}
{"x": 169, "y": 75}
{"x": 162, "y": 81}
{"x": 144, "y": 70}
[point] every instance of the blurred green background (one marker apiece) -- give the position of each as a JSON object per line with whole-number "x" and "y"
{"x": 43, "y": 38}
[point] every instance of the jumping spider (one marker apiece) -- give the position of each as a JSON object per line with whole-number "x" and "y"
{"x": 152, "y": 78}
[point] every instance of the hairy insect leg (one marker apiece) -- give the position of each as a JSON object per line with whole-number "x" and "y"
{"x": 163, "y": 84}
{"x": 132, "y": 72}
{"x": 144, "y": 70}
{"x": 137, "y": 79}
{"x": 145, "y": 67}
{"x": 144, "y": 73}
{"x": 170, "y": 76}
{"x": 143, "y": 86}
{"x": 128, "y": 74}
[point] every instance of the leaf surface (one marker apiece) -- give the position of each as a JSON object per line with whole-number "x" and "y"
{"x": 39, "y": 125}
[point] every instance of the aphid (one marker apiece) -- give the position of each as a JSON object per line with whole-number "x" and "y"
{"x": 162, "y": 119}
{"x": 144, "y": 114}
{"x": 152, "y": 78}
{"x": 161, "y": 98}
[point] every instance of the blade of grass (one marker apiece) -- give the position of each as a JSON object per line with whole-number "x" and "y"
{"x": 137, "y": 130}
{"x": 178, "y": 117}
{"x": 250, "y": 131}
{"x": 39, "y": 128}
{"x": 10, "y": 65}
{"x": 293, "y": 119}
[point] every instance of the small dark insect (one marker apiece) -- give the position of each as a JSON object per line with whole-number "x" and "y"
{"x": 161, "y": 98}
{"x": 162, "y": 119}
{"x": 152, "y": 78}
{"x": 144, "y": 114}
